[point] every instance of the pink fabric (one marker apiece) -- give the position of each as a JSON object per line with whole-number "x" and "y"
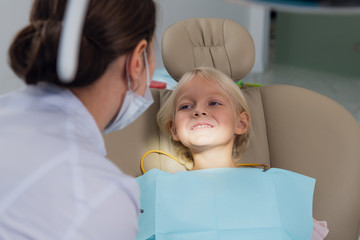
{"x": 320, "y": 230}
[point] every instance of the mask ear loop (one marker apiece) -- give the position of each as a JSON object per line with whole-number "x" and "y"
{"x": 147, "y": 69}
{"x": 70, "y": 39}
{"x": 127, "y": 71}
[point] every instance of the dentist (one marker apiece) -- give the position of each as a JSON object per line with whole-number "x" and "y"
{"x": 55, "y": 182}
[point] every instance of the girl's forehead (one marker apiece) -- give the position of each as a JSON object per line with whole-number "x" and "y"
{"x": 200, "y": 85}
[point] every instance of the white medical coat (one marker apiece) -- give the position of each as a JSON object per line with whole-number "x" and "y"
{"x": 55, "y": 182}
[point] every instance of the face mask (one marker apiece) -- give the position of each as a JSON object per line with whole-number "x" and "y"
{"x": 133, "y": 105}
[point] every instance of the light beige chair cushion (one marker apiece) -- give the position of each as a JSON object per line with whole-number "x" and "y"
{"x": 219, "y": 43}
{"x": 311, "y": 134}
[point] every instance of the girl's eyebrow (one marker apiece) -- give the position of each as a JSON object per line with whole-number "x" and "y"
{"x": 186, "y": 98}
{"x": 183, "y": 95}
{"x": 182, "y": 98}
{"x": 218, "y": 97}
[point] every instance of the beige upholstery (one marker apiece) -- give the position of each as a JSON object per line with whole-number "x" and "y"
{"x": 293, "y": 128}
{"x": 219, "y": 43}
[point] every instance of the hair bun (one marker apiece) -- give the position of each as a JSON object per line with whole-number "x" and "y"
{"x": 39, "y": 27}
{"x": 46, "y": 28}
{"x": 29, "y": 52}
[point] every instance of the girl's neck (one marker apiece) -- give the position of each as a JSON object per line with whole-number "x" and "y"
{"x": 213, "y": 159}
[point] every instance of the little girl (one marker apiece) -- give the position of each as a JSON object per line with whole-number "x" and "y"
{"x": 208, "y": 121}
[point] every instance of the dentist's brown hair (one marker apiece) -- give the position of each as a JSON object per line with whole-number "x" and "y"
{"x": 112, "y": 28}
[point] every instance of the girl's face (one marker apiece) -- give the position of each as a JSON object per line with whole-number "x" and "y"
{"x": 204, "y": 117}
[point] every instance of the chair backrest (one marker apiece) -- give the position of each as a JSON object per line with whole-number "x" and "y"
{"x": 293, "y": 128}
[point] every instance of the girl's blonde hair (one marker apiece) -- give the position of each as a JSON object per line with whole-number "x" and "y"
{"x": 166, "y": 114}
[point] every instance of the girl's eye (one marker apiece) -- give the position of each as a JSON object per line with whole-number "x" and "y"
{"x": 183, "y": 107}
{"x": 214, "y": 103}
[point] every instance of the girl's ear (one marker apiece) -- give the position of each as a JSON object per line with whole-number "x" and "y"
{"x": 136, "y": 63}
{"x": 243, "y": 122}
{"x": 173, "y": 131}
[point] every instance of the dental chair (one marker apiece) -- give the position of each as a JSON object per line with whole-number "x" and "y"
{"x": 292, "y": 128}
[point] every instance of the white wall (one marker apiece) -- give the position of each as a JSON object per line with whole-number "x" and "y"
{"x": 14, "y": 15}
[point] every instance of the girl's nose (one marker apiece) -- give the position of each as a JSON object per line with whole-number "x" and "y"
{"x": 198, "y": 113}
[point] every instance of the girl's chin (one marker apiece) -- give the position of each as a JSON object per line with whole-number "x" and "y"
{"x": 198, "y": 147}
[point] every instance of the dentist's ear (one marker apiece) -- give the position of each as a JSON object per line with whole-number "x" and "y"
{"x": 243, "y": 122}
{"x": 136, "y": 64}
{"x": 173, "y": 131}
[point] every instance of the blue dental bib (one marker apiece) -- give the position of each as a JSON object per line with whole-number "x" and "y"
{"x": 226, "y": 204}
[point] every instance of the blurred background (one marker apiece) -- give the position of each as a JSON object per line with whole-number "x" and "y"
{"x": 307, "y": 43}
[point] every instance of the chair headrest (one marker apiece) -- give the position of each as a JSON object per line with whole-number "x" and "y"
{"x": 219, "y": 43}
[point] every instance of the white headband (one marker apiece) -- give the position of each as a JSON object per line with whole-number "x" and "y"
{"x": 70, "y": 39}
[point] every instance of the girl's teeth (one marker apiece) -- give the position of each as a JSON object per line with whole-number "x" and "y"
{"x": 202, "y": 126}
